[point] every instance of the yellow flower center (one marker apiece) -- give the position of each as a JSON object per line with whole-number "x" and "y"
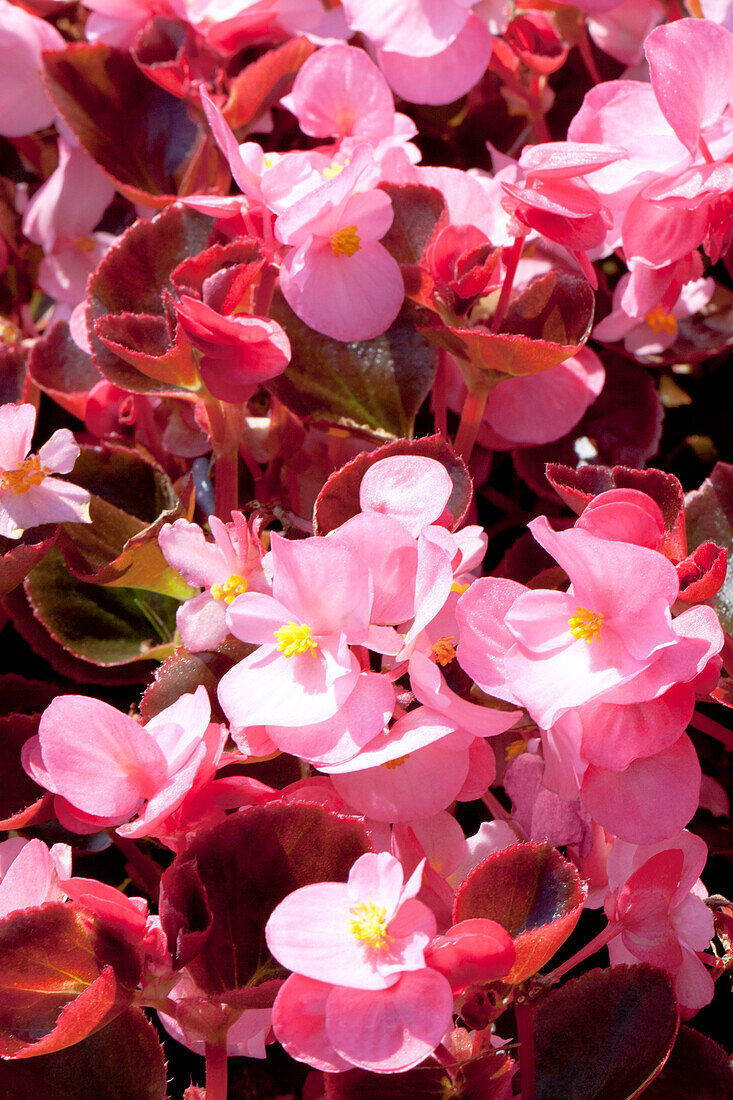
{"x": 334, "y": 169}
{"x": 459, "y": 588}
{"x": 370, "y": 924}
{"x": 660, "y": 321}
{"x": 231, "y": 588}
{"x": 398, "y": 762}
{"x": 586, "y": 625}
{"x": 515, "y": 749}
{"x": 444, "y": 650}
{"x": 345, "y": 241}
{"x": 84, "y": 244}
{"x": 29, "y": 473}
{"x": 295, "y": 638}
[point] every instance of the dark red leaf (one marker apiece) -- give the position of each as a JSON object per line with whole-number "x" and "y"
{"x": 19, "y": 556}
{"x": 339, "y": 497}
{"x": 262, "y": 84}
{"x": 13, "y": 366}
{"x": 245, "y": 867}
{"x": 423, "y": 1083}
{"x": 123, "y": 1061}
{"x": 534, "y": 893}
{"x": 184, "y": 671}
{"x": 697, "y": 1069}
{"x": 419, "y": 212}
{"x": 63, "y": 370}
{"x": 709, "y": 512}
{"x": 20, "y": 797}
{"x": 139, "y": 134}
{"x": 605, "y": 1035}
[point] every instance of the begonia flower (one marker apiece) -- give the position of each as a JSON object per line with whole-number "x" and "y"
{"x": 24, "y": 103}
{"x": 29, "y": 494}
{"x": 657, "y": 330}
{"x": 336, "y": 276}
{"x": 30, "y": 873}
{"x": 360, "y": 993}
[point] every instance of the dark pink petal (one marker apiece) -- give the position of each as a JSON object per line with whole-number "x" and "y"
{"x": 445, "y": 76}
{"x": 614, "y": 736}
{"x": 475, "y": 950}
{"x": 299, "y": 1022}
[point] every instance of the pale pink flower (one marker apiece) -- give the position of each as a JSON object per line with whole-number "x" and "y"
{"x": 29, "y": 496}
{"x": 657, "y": 330}
{"x": 226, "y": 567}
{"x": 24, "y": 105}
{"x": 360, "y": 993}
{"x": 337, "y": 277}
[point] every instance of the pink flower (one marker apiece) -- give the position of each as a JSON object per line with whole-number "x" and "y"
{"x": 337, "y": 277}
{"x": 657, "y": 901}
{"x": 28, "y": 495}
{"x": 226, "y": 567}
{"x": 361, "y": 993}
{"x": 30, "y": 873}
{"x": 121, "y": 768}
{"x": 657, "y": 330}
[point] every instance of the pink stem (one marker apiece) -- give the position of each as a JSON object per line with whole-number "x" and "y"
{"x": 216, "y": 1071}
{"x": 265, "y": 291}
{"x": 713, "y": 729}
{"x": 705, "y": 151}
{"x": 587, "y": 55}
{"x": 224, "y": 429}
{"x": 524, "y": 1013}
{"x": 492, "y": 803}
{"x": 605, "y": 936}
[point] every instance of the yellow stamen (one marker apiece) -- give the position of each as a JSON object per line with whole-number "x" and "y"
{"x": 515, "y": 749}
{"x": 84, "y": 244}
{"x": 459, "y": 588}
{"x": 370, "y": 925}
{"x": 29, "y": 473}
{"x": 444, "y": 650}
{"x": 398, "y": 762}
{"x": 334, "y": 169}
{"x": 295, "y": 638}
{"x": 586, "y": 625}
{"x": 231, "y": 588}
{"x": 660, "y": 321}
{"x": 345, "y": 241}
{"x": 9, "y": 334}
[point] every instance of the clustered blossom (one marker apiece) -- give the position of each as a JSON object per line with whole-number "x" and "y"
{"x": 367, "y": 716}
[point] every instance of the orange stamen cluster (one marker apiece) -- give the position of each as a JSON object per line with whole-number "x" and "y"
{"x": 586, "y": 625}
{"x": 231, "y": 588}
{"x": 28, "y": 474}
{"x": 345, "y": 241}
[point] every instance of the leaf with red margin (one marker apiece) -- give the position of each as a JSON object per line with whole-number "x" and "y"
{"x": 133, "y": 279}
{"x": 98, "y": 623}
{"x": 20, "y": 797}
{"x": 534, "y": 893}
{"x": 63, "y": 975}
{"x": 697, "y": 1069}
{"x": 709, "y": 512}
{"x": 419, "y": 213}
{"x": 122, "y": 1061}
{"x": 143, "y": 341}
{"x": 577, "y": 487}
{"x": 484, "y": 1078}
{"x": 245, "y": 866}
{"x": 62, "y": 370}
{"x": 622, "y": 427}
{"x": 378, "y": 385}
{"x": 605, "y": 1035}
{"x": 338, "y": 500}
{"x": 545, "y": 324}
{"x": 118, "y": 547}
{"x": 19, "y": 556}
{"x": 141, "y": 136}
{"x": 30, "y": 627}
{"x": 13, "y": 366}
{"x": 262, "y": 84}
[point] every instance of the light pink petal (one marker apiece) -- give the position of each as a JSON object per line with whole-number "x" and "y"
{"x": 539, "y": 621}
{"x": 29, "y": 880}
{"x": 180, "y": 727}
{"x": 340, "y": 92}
{"x": 299, "y": 1022}
{"x": 56, "y": 212}
{"x": 361, "y": 718}
{"x": 421, "y": 29}
{"x": 310, "y": 933}
{"x": 248, "y": 182}
{"x": 651, "y": 800}
{"x": 390, "y": 552}
{"x": 328, "y": 586}
{"x": 202, "y": 622}
{"x": 52, "y": 501}
{"x": 443, "y": 77}
{"x": 392, "y": 1029}
{"x": 24, "y": 105}
{"x": 268, "y": 688}
{"x": 693, "y": 922}
{"x": 433, "y": 581}
{"x": 377, "y": 877}
{"x": 371, "y": 212}
{"x": 422, "y": 783}
{"x": 60, "y": 452}
{"x": 693, "y": 984}
{"x": 185, "y": 547}
{"x": 17, "y": 424}
{"x": 346, "y": 297}
{"x": 414, "y": 730}
{"x": 254, "y": 617}
{"x": 567, "y": 159}
{"x": 411, "y": 488}
{"x": 484, "y": 638}
{"x": 430, "y": 688}
{"x": 691, "y": 67}
{"x": 109, "y": 770}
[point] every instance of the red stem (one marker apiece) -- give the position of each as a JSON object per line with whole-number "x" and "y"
{"x": 265, "y": 290}
{"x": 216, "y": 1071}
{"x": 224, "y": 427}
{"x": 713, "y": 729}
{"x": 471, "y": 415}
{"x": 525, "y": 1030}
{"x": 586, "y": 54}
{"x": 510, "y": 263}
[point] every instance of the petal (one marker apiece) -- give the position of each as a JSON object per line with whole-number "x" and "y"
{"x": 299, "y": 1022}
{"x": 17, "y": 424}
{"x": 327, "y": 585}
